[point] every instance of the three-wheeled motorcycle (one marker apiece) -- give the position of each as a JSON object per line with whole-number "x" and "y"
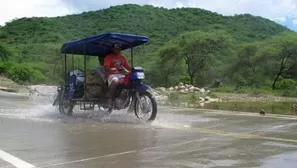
{"x": 80, "y": 88}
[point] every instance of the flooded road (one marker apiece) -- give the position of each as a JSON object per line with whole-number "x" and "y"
{"x": 34, "y": 134}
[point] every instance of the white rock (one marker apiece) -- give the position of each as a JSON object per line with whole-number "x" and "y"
{"x": 183, "y": 91}
{"x": 201, "y": 104}
{"x": 202, "y": 90}
{"x": 182, "y": 87}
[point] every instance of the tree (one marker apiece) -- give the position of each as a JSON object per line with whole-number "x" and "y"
{"x": 248, "y": 65}
{"x": 282, "y": 49}
{"x": 199, "y": 48}
{"x": 4, "y": 52}
{"x": 35, "y": 40}
{"x": 169, "y": 65}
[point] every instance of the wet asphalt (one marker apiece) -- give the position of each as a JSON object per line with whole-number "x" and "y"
{"x": 37, "y": 134}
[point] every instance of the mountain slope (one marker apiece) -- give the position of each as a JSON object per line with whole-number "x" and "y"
{"x": 158, "y": 23}
{"x": 37, "y": 40}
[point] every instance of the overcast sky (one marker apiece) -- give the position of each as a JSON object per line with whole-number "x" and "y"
{"x": 281, "y": 11}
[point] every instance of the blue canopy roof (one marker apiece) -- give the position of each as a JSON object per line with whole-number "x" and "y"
{"x": 100, "y": 45}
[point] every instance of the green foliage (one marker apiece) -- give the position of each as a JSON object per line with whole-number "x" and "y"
{"x": 246, "y": 90}
{"x": 244, "y": 51}
{"x": 225, "y": 89}
{"x": 168, "y": 69}
{"x": 4, "y": 52}
{"x": 20, "y": 74}
{"x": 198, "y": 49}
{"x": 283, "y": 50}
{"x": 184, "y": 80}
{"x": 158, "y": 23}
{"x": 287, "y": 84}
{"x": 5, "y": 67}
{"x": 37, "y": 77}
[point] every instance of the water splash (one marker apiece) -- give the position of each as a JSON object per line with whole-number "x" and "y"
{"x": 39, "y": 108}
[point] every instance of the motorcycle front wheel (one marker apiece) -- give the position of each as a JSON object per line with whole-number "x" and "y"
{"x": 143, "y": 108}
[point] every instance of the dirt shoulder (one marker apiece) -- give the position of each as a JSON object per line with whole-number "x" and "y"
{"x": 10, "y": 86}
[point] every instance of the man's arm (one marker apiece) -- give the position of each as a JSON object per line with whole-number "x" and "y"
{"x": 126, "y": 65}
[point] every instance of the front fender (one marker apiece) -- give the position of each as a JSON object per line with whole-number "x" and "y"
{"x": 142, "y": 88}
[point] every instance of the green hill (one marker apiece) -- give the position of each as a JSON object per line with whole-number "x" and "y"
{"x": 158, "y": 23}
{"x": 37, "y": 40}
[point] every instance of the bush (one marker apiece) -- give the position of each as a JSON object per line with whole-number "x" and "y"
{"x": 2, "y": 69}
{"x": 20, "y": 74}
{"x": 5, "y": 67}
{"x": 286, "y": 84}
{"x": 225, "y": 89}
{"x": 185, "y": 80}
{"x": 37, "y": 77}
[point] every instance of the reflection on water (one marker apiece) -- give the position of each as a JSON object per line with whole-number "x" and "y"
{"x": 286, "y": 160}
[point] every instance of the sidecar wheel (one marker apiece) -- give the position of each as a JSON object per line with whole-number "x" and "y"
{"x": 140, "y": 107}
{"x": 65, "y": 106}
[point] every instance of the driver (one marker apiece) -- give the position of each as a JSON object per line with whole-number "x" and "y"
{"x": 116, "y": 67}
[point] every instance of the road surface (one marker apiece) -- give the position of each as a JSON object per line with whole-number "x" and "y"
{"x": 34, "y": 134}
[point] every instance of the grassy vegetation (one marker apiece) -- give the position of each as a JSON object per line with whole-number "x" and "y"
{"x": 257, "y": 91}
{"x": 283, "y": 108}
{"x": 36, "y": 41}
{"x": 250, "y": 55}
{"x": 241, "y": 102}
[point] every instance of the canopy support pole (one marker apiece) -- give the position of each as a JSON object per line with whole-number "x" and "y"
{"x": 72, "y": 62}
{"x": 85, "y": 69}
{"x": 65, "y": 68}
{"x": 132, "y": 57}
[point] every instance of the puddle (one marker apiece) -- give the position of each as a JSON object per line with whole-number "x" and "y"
{"x": 286, "y": 160}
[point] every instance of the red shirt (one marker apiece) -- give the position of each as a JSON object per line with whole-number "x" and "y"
{"x": 115, "y": 63}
